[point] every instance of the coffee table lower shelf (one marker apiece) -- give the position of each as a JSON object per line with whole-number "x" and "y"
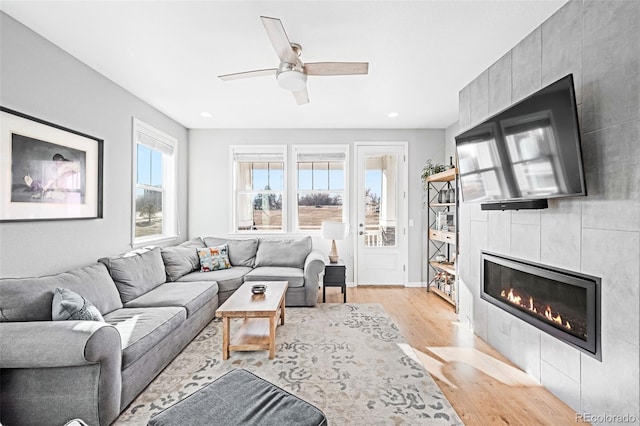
{"x": 255, "y": 335}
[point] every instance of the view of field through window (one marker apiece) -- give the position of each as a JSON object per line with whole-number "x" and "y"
{"x": 320, "y": 193}
{"x": 148, "y": 192}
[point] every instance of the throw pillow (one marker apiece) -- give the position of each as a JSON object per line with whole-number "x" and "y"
{"x": 69, "y": 305}
{"x": 214, "y": 258}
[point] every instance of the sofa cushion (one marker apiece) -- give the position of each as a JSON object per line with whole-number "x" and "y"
{"x": 29, "y": 299}
{"x": 142, "y": 328}
{"x": 291, "y": 253}
{"x": 295, "y": 276}
{"x": 135, "y": 275}
{"x": 191, "y": 296}
{"x": 181, "y": 259}
{"x": 214, "y": 258}
{"x": 227, "y": 279}
{"x": 241, "y": 252}
{"x": 69, "y": 305}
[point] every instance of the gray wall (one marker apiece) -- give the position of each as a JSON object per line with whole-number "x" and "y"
{"x": 450, "y": 141}
{"x": 209, "y": 170}
{"x": 39, "y": 79}
{"x": 599, "y": 42}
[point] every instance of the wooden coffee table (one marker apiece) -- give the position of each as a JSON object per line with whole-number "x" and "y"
{"x": 261, "y": 314}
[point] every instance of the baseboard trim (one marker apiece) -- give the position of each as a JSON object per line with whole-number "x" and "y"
{"x": 416, "y": 284}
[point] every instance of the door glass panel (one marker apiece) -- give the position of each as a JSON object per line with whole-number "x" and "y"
{"x": 381, "y": 200}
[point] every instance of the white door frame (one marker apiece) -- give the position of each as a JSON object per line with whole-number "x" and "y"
{"x": 403, "y": 249}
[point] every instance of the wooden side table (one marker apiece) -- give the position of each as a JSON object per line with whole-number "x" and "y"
{"x": 335, "y": 275}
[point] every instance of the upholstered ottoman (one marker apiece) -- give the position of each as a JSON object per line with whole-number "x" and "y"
{"x": 240, "y": 398}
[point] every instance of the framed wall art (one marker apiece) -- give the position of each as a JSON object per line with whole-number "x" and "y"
{"x": 47, "y": 172}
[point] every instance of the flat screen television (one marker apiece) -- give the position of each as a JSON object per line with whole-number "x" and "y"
{"x": 526, "y": 154}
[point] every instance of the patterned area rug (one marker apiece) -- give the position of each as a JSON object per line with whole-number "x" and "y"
{"x": 346, "y": 359}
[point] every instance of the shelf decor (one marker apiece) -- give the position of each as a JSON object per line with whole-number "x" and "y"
{"x": 47, "y": 172}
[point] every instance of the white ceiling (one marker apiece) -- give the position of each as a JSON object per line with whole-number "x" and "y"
{"x": 168, "y": 53}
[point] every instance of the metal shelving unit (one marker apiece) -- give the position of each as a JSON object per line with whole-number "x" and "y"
{"x": 443, "y": 275}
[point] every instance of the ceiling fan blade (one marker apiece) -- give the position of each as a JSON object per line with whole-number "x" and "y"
{"x": 336, "y": 68}
{"x": 279, "y": 40}
{"x": 302, "y": 96}
{"x": 248, "y": 74}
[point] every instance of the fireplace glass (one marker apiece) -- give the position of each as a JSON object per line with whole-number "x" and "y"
{"x": 563, "y": 303}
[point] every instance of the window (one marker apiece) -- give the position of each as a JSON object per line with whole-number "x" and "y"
{"x": 320, "y": 185}
{"x": 154, "y": 186}
{"x": 259, "y": 188}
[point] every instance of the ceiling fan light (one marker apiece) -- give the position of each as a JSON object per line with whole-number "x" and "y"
{"x": 292, "y": 80}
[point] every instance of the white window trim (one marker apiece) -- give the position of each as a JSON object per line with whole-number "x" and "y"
{"x": 317, "y": 149}
{"x": 170, "y": 230}
{"x": 257, "y": 149}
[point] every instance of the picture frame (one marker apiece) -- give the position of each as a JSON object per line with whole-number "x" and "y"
{"x": 47, "y": 171}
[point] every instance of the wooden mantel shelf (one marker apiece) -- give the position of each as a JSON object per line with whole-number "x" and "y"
{"x": 446, "y": 176}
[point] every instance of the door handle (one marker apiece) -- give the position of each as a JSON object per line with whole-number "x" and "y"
{"x": 361, "y": 233}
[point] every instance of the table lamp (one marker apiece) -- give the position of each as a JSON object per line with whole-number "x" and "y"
{"x": 334, "y": 231}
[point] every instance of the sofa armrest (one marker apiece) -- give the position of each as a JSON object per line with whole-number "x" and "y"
{"x": 60, "y": 368}
{"x": 45, "y": 344}
{"x": 313, "y": 267}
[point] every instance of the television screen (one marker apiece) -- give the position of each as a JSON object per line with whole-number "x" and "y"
{"x": 529, "y": 151}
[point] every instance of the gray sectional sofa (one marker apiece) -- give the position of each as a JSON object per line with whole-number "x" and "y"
{"x": 153, "y": 304}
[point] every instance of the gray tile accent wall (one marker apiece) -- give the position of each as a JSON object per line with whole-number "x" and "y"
{"x": 526, "y": 69}
{"x": 560, "y": 234}
{"x": 611, "y": 68}
{"x": 464, "y": 108}
{"x": 500, "y": 232}
{"x": 599, "y": 43}
{"x": 560, "y": 59}
{"x": 479, "y": 92}
{"x": 500, "y": 84}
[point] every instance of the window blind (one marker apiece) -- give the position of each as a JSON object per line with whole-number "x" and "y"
{"x": 154, "y": 143}
{"x": 309, "y": 157}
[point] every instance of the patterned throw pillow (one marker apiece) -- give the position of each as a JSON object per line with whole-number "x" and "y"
{"x": 214, "y": 258}
{"x": 69, "y": 305}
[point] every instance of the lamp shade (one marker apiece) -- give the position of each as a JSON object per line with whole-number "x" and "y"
{"x": 334, "y": 230}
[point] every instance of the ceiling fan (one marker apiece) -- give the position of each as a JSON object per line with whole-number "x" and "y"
{"x": 292, "y": 72}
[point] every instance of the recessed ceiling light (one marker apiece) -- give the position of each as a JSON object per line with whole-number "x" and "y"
{"x": 206, "y": 114}
{"x": 393, "y": 115}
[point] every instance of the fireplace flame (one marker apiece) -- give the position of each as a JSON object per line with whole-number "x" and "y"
{"x": 548, "y": 314}
{"x": 550, "y": 317}
{"x": 511, "y": 297}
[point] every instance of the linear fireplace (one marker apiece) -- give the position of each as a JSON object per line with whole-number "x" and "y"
{"x": 562, "y": 303}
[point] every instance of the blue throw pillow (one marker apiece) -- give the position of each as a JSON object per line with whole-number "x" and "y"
{"x": 69, "y": 305}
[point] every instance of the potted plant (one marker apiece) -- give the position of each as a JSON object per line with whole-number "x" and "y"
{"x": 430, "y": 169}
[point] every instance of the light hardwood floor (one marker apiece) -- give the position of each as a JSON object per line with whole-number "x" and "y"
{"x": 482, "y": 385}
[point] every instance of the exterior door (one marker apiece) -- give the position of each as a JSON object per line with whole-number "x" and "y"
{"x": 380, "y": 231}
